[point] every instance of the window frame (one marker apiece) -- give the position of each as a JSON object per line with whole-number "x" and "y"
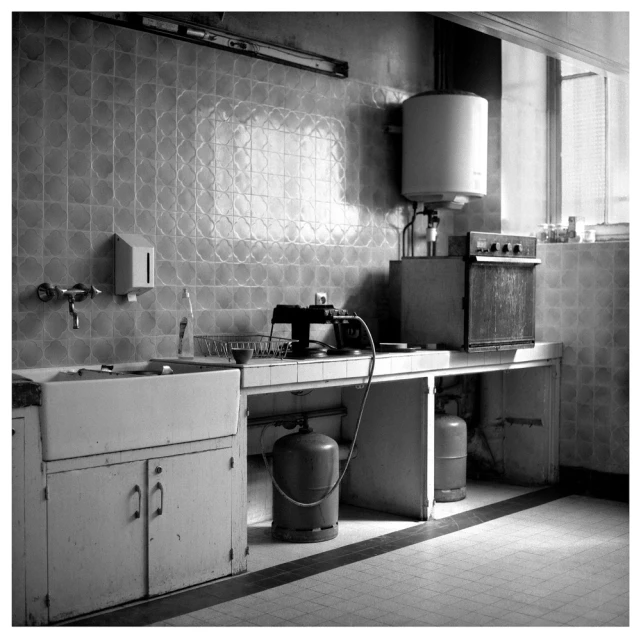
{"x": 605, "y": 230}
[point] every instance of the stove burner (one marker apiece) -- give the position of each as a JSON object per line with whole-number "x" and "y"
{"x": 311, "y": 352}
{"x": 345, "y": 352}
{"x": 318, "y": 352}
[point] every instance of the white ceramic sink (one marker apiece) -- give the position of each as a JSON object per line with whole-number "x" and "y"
{"x": 95, "y": 413}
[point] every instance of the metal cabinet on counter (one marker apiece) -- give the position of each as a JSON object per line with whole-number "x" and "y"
{"x": 122, "y": 532}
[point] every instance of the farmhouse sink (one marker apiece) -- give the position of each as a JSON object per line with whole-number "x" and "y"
{"x": 89, "y": 411}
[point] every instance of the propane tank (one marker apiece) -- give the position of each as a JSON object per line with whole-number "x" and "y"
{"x": 305, "y": 466}
{"x": 450, "y": 457}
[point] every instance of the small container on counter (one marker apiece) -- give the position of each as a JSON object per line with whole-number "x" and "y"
{"x": 589, "y": 236}
{"x": 552, "y": 234}
{"x": 561, "y": 234}
{"x": 186, "y": 328}
{"x": 576, "y": 226}
{"x": 543, "y": 233}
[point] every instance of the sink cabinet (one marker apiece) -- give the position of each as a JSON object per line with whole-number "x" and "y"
{"x": 18, "y": 586}
{"x": 29, "y": 520}
{"x": 115, "y": 502}
{"x": 122, "y": 532}
{"x": 189, "y": 519}
{"x": 96, "y": 545}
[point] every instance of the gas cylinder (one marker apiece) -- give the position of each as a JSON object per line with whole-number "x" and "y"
{"x": 305, "y": 468}
{"x": 450, "y": 458}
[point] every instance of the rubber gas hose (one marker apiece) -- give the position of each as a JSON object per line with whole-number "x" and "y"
{"x": 358, "y": 424}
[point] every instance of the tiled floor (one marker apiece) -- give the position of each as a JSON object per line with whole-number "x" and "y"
{"x": 540, "y": 558}
{"x": 358, "y": 524}
{"x": 480, "y": 493}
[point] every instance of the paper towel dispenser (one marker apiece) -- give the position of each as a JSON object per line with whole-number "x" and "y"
{"x": 133, "y": 265}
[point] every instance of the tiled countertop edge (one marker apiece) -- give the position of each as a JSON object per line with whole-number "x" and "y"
{"x": 284, "y": 372}
{"x": 267, "y": 373}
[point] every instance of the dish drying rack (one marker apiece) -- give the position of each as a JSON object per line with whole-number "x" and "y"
{"x": 264, "y": 346}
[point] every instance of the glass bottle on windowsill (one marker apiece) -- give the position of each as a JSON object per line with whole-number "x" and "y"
{"x": 543, "y": 233}
{"x": 186, "y": 328}
{"x": 561, "y": 234}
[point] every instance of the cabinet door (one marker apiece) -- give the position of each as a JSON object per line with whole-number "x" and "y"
{"x": 97, "y": 538}
{"x": 189, "y": 519}
{"x": 18, "y": 565}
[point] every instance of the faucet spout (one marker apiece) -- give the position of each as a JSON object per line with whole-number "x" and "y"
{"x": 72, "y": 311}
{"x": 47, "y": 292}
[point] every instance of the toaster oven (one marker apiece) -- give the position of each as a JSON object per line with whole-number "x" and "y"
{"x": 480, "y": 297}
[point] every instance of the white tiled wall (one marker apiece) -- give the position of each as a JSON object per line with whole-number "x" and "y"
{"x": 583, "y": 300}
{"x": 257, "y": 183}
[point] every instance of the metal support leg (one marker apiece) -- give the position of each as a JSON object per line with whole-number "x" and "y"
{"x": 429, "y": 457}
{"x": 554, "y": 407}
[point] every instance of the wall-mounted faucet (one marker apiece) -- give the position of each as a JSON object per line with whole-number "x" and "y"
{"x": 47, "y": 292}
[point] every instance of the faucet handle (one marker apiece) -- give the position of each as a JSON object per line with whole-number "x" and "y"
{"x": 87, "y": 291}
{"x": 47, "y": 292}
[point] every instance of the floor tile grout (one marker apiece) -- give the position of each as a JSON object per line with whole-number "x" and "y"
{"x": 388, "y": 567}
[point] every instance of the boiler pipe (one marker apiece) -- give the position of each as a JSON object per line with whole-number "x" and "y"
{"x": 409, "y": 225}
{"x": 295, "y": 417}
{"x": 491, "y": 421}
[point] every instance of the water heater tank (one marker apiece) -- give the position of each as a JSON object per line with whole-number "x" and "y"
{"x": 444, "y": 148}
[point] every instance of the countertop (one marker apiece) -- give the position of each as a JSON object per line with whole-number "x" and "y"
{"x": 265, "y": 375}
{"x": 24, "y": 392}
{"x": 270, "y": 375}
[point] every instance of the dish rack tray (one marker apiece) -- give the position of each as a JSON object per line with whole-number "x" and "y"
{"x": 264, "y": 346}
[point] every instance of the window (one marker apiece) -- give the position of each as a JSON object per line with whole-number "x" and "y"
{"x": 564, "y": 145}
{"x": 592, "y": 149}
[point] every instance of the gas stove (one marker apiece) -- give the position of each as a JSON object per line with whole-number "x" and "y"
{"x": 350, "y": 340}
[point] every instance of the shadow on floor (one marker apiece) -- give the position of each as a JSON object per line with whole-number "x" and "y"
{"x": 260, "y": 533}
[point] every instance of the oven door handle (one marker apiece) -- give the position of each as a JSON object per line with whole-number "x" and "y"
{"x": 517, "y": 261}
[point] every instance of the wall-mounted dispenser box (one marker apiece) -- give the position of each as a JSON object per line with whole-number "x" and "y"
{"x": 133, "y": 265}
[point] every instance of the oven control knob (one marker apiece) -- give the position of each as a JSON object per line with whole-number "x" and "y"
{"x": 495, "y": 247}
{"x": 518, "y": 248}
{"x": 507, "y": 248}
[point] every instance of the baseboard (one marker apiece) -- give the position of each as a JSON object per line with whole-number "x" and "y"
{"x": 579, "y": 480}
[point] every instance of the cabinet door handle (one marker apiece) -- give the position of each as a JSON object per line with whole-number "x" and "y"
{"x": 162, "y": 497}
{"x": 139, "y": 492}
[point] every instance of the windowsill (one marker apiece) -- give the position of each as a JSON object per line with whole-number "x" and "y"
{"x": 611, "y": 232}
{"x": 604, "y": 233}
{"x": 609, "y": 240}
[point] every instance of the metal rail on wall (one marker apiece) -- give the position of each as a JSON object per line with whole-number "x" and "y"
{"x": 220, "y": 39}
